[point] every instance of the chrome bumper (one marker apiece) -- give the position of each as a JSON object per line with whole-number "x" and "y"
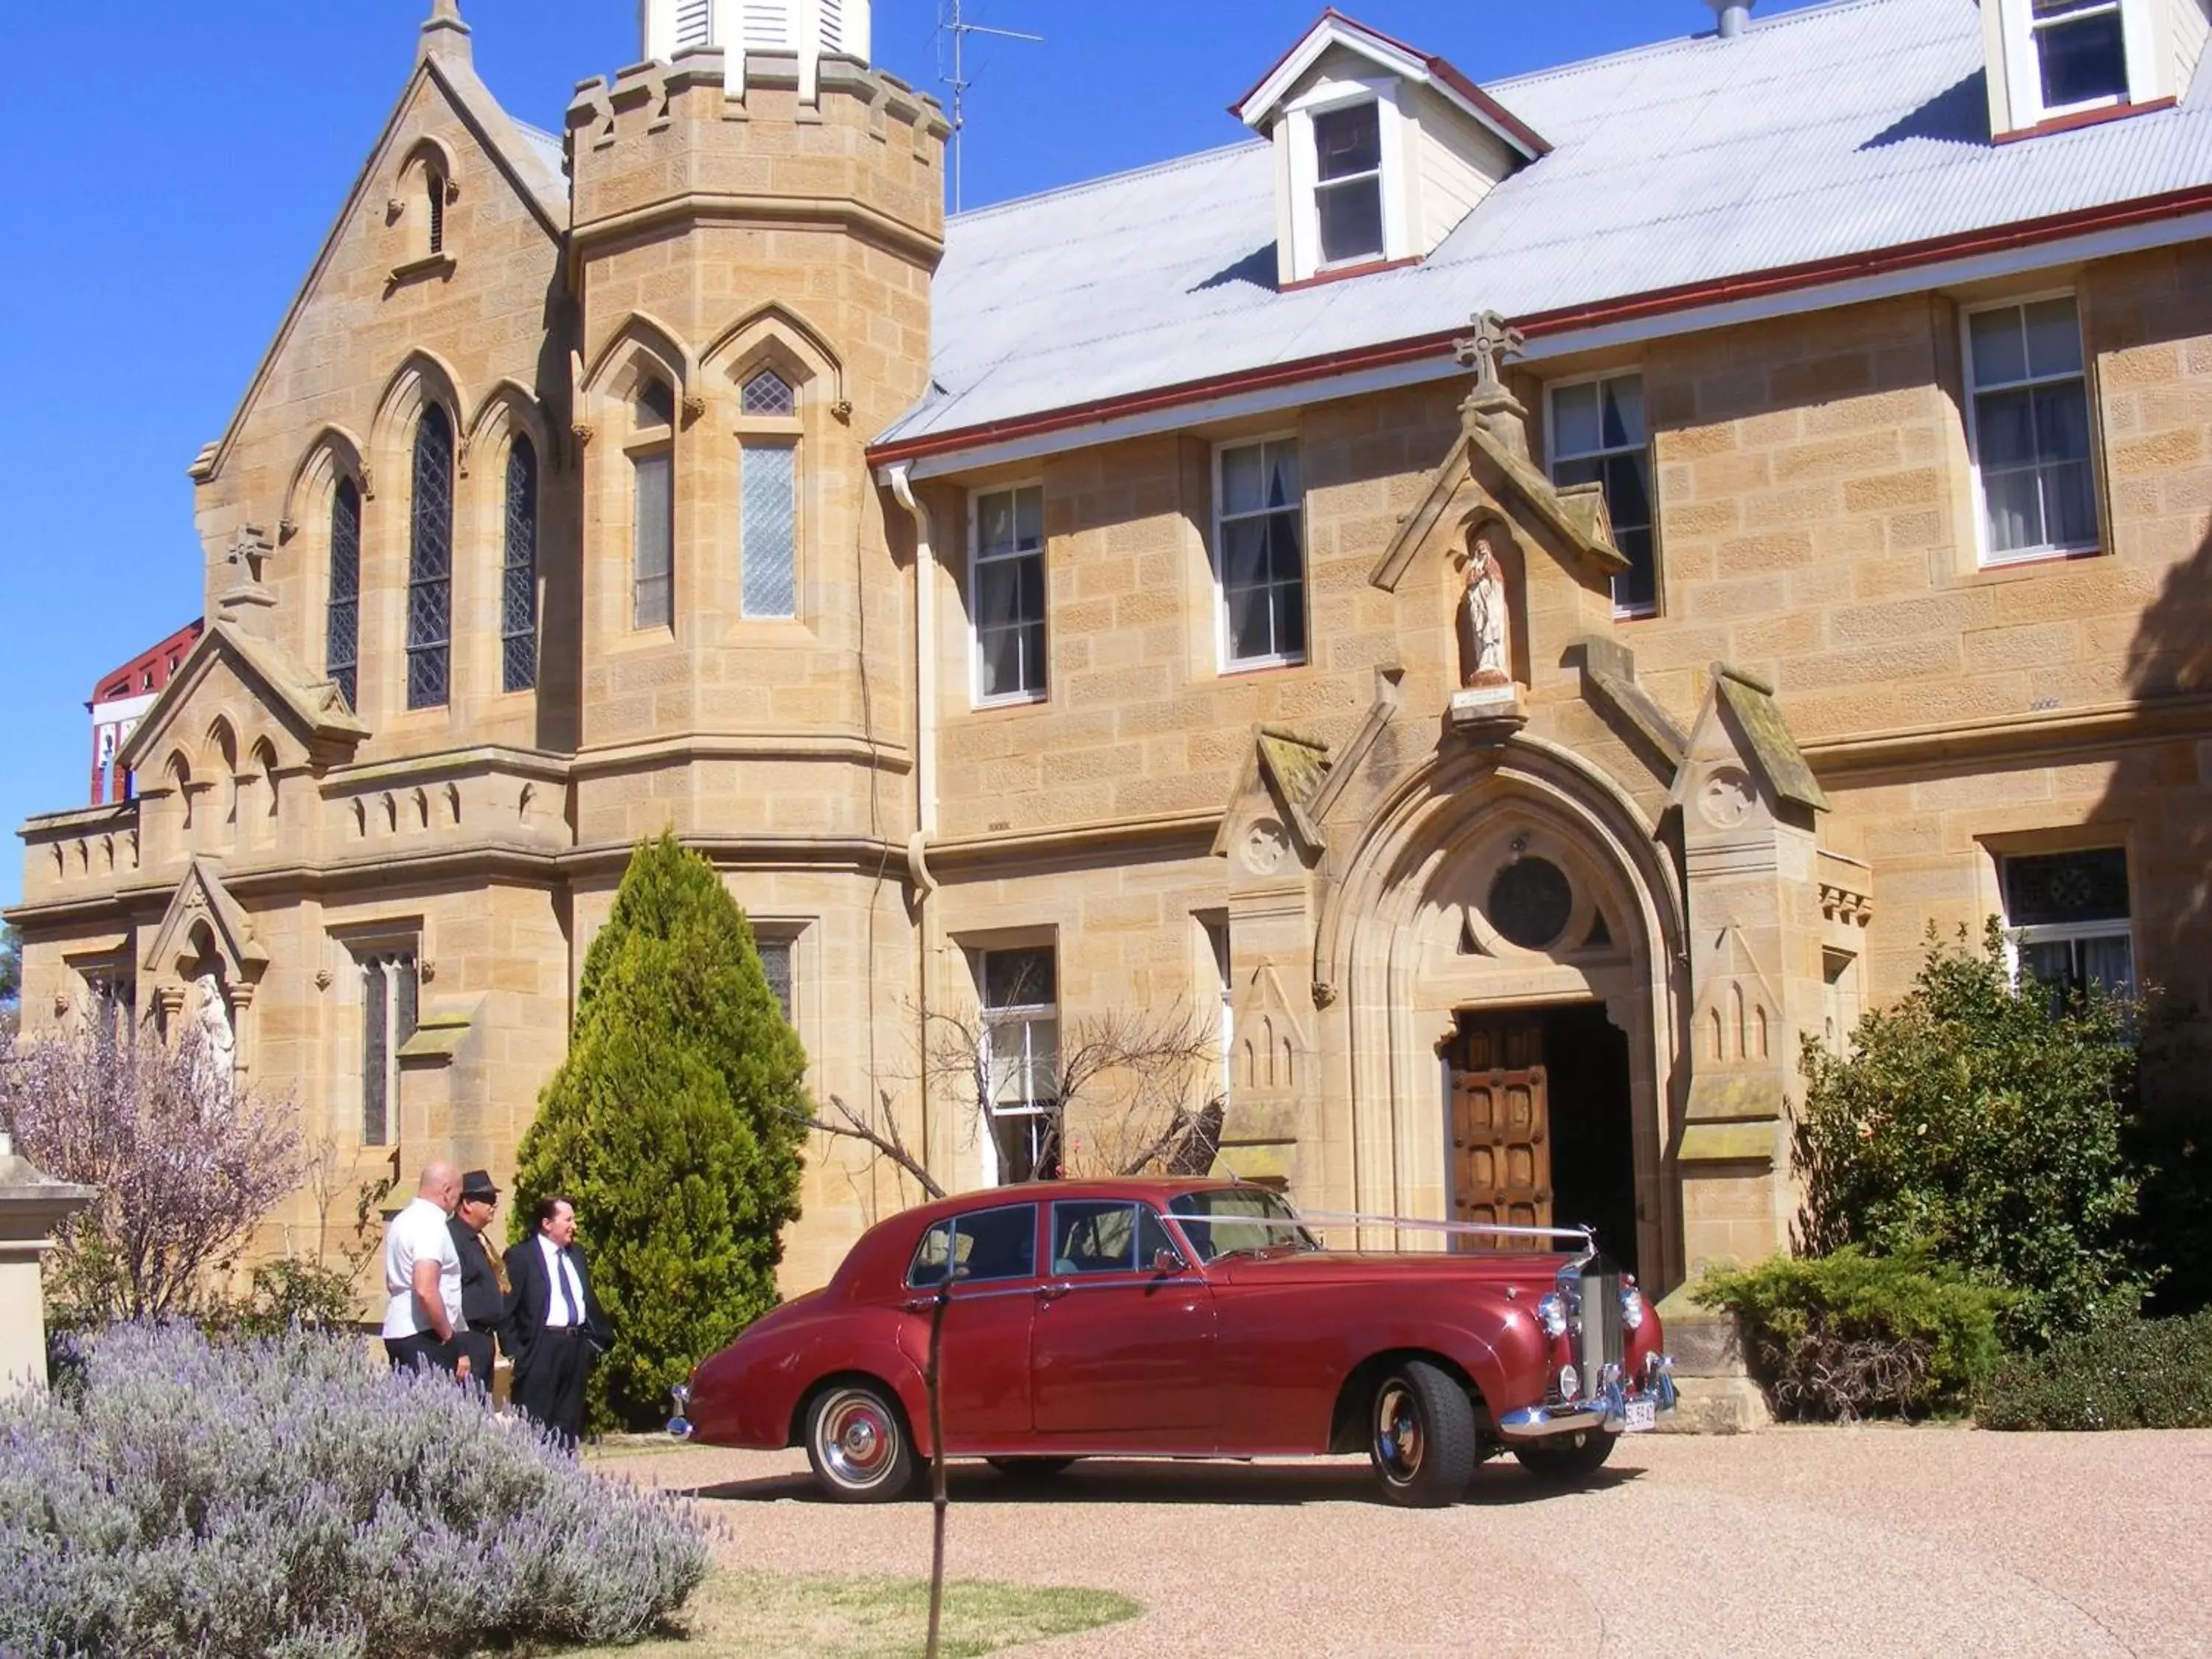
{"x": 1605, "y": 1408}
{"x": 680, "y": 1425}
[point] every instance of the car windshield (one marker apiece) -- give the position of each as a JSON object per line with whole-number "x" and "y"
{"x": 1226, "y": 1220}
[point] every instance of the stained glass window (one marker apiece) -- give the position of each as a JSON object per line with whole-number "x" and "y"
{"x": 431, "y": 564}
{"x": 517, "y": 629}
{"x": 342, "y": 637}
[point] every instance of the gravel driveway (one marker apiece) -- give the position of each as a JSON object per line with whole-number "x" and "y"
{"x": 1832, "y": 1543}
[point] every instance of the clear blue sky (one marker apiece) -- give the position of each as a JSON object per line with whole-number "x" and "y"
{"x": 172, "y": 175}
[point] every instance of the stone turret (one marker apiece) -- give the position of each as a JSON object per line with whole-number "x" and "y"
{"x": 779, "y": 214}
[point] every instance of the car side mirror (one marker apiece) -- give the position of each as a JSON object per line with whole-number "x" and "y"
{"x": 1168, "y": 1261}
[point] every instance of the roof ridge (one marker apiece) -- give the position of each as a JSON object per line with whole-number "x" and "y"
{"x": 1077, "y": 186}
{"x": 1675, "y": 42}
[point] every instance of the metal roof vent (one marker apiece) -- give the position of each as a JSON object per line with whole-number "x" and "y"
{"x": 1731, "y": 15}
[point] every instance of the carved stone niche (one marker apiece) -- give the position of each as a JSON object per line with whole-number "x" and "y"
{"x": 1489, "y": 572}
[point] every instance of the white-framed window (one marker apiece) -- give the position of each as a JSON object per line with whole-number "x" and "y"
{"x": 1259, "y": 539}
{"x": 2028, "y": 428}
{"x": 1006, "y": 577}
{"x": 1595, "y": 434}
{"x": 1348, "y": 183}
{"x": 2081, "y": 49}
{"x": 2070, "y": 919}
{"x": 1020, "y": 1061}
{"x": 1347, "y": 142}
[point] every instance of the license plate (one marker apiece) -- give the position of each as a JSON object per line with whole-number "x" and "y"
{"x": 1643, "y": 1415}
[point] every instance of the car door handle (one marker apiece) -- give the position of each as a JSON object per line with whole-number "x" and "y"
{"x": 1054, "y": 1291}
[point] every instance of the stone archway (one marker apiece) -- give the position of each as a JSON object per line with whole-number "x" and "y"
{"x": 1504, "y": 876}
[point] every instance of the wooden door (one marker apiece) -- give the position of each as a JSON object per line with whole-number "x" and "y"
{"x": 1500, "y": 1125}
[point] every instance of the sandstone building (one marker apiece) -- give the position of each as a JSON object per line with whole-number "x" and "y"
{"x": 1521, "y": 730}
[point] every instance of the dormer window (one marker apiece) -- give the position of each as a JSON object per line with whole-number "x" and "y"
{"x": 2059, "y": 63}
{"x": 1380, "y": 150}
{"x": 2082, "y": 53}
{"x": 1348, "y": 187}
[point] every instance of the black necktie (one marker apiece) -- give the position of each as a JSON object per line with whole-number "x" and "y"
{"x": 561, "y": 1287}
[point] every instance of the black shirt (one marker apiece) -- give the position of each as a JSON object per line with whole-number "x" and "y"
{"x": 483, "y": 1303}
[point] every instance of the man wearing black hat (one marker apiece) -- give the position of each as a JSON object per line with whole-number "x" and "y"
{"x": 483, "y": 1295}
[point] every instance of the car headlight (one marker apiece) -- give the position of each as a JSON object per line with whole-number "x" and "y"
{"x": 1552, "y": 1311}
{"x": 1631, "y": 1309}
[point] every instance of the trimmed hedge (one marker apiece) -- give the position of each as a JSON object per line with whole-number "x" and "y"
{"x": 282, "y": 1496}
{"x": 2130, "y": 1374}
{"x": 1848, "y": 1335}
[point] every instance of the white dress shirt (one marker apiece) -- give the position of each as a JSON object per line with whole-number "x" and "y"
{"x": 561, "y": 1272}
{"x": 419, "y": 1233}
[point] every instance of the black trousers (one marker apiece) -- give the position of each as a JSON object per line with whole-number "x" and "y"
{"x": 424, "y": 1348}
{"x": 476, "y": 1346}
{"x": 548, "y": 1381}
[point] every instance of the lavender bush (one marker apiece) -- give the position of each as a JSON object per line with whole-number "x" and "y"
{"x": 280, "y": 1497}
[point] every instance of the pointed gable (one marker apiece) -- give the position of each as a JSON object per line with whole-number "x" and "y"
{"x": 309, "y": 707}
{"x": 519, "y": 160}
{"x": 202, "y": 915}
{"x": 1285, "y": 775}
{"x": 1741, "y": 721}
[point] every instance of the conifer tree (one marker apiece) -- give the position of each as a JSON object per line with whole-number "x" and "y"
{"x": 673, "y": 1127}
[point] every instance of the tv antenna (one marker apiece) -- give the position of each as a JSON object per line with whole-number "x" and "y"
{"x": 950, "y": 22}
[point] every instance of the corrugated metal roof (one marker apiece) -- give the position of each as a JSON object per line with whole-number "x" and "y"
{"x": 1831, "y": 131}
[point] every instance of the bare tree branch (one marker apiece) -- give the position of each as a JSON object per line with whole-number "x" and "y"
{"x": 851, "y": 1124}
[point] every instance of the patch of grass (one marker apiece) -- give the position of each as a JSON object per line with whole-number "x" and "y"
{"x": 770, "y": 1616}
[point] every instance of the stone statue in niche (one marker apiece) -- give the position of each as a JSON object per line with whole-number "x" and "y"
{"x": 217, "y": 1058}
{"x": 1484, "y": 619}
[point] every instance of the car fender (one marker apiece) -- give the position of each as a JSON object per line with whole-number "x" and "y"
{"x": 749, "y": 1392}
{"x": 1498, "y": 1344}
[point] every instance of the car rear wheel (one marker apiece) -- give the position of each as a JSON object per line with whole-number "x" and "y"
{"x": 1568, "y": 1458}
{"x": 857, "y": 1444}
{"x": 1029, "y": 1468}
{"x": 1423, "y": 1443}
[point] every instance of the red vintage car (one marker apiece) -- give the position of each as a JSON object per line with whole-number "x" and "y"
{"x": 1190, "y": 1318}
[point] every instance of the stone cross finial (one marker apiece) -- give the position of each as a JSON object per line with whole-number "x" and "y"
{"x": 1493, "y": 342}
{"x": 248, "y": 549}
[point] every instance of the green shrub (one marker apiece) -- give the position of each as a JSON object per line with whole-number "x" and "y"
{"x": 1851, "y": 1335}
{"x": 2128, "y": 1374}
{"x": 289, "y": 1294}
{"x": 673, "y": 1127}
{"x": 280, "y": 1497}
{"x": 1984, "y": 1125}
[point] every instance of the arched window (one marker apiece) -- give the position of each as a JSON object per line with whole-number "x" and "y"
{"x": 341, "y": 640}
{"x": 517, "y": 623}
{"x": 768, "y": 495}
{"x": 431, "y": 564}
{"x": 653, "y": 463}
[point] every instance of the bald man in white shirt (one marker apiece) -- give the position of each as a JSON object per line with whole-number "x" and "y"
{"x": 423, "y": 1274}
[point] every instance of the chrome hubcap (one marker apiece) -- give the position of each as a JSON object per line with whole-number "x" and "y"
{"x": 854, "y": 1440}
{"x": 1398, "y": 1441}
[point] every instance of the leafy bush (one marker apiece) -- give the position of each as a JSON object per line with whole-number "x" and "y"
{"x": 1851, "y": 1335}
{"x": 2128, "y": 1374}
{"x": 674, "y": 1127}
{"x": 289, "y": 1293}
{"x": 280, "y": 1497}
{"x": 1984, "y": 1125}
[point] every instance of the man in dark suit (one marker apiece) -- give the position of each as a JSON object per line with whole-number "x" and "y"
{"x": 483, "y": 1295}
{"x": 556, "y": 1324}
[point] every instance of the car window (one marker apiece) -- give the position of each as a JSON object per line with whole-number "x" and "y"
{"x": 1094, "y": 1236}
{"x": 982, "y": 1245}
{"x": 1219, "y": 1220}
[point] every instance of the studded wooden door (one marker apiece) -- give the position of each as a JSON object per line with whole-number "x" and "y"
{"x": 1500, "y": 1125}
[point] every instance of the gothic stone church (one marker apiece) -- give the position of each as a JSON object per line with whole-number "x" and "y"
{"x": 1522, "y": 598}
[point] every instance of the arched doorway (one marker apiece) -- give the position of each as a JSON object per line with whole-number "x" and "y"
{"x": 1508, "y": 935}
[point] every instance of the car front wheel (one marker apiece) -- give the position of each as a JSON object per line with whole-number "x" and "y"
{"x": 857, "y": 1445}
{"x": 1567, "y": 1458}
{"x": 1423, "y": 1443}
